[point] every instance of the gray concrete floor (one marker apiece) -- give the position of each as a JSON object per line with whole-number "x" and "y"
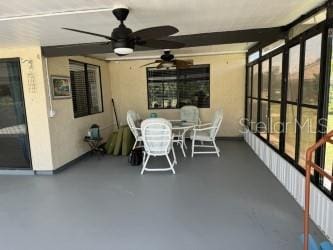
{"x": 102, "y": 203}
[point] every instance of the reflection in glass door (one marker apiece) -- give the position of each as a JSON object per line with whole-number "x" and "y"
{"x": 14, "y": 144}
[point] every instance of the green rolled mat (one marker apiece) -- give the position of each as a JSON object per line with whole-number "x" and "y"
{"x": 119, "y": 139}
{"x": 111, "y": 143}
{"x": 128, "y": 141}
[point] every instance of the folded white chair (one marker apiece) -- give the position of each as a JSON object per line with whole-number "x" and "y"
{"x": 206, "y": 133}
{"x": 131, "y": 118}
{"x": 157, "y": 140}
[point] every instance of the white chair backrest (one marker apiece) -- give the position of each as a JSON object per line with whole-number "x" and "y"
{"x": 131, "y": 118}
{"x": 156, "y": 135}
{"x": 216, "y": 123}
{"x": 190, "y": 114}
{"x": 137, "y": 116}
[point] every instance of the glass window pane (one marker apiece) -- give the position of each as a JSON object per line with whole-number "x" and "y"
{"x": 95, "y": 89}
{"x": 254, "y": 115}
{"x": 79, "y": 89}
{"x": 276, "y": 77}
{"x": 264, "y": 79}
{"x": 249, "y": 81}
{"x": 14, "y": 144}
{"x": 307, "y": 23}
{"x": 175, "y": 88}
{"x": 311, "y": 70}
{"x": 290, "y": 130}
{"x": 329, "y": 147}
{"x": 170, "y": 95}
{"x": 308, "y": 127}
{"x": 293, "y": 73}
{"x": 329, "y": 152}
{"x": 192, "y": 85}
{"x": 255, "y": 81}
{"x": 274, "y": 126}
{"x": 272, "y": 47}
{"x": 263, "y": 125}
{"x": 248, "y": 106}
{"x": 155, "y": 93}
{"x": 254, "y": 56}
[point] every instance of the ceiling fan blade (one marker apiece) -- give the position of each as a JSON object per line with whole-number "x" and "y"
{"x": 89, "y": 33}
{"x": 154, "y": 32}
{"x": 183, "y": 63}
{"x": 160, "y": 66}
{"x": 189, "y": 61}
{"x": 156, "y": 61}
{"x": 162, "y": 44}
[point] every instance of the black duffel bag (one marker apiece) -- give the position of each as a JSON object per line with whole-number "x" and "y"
{"x": 136, "y": 157}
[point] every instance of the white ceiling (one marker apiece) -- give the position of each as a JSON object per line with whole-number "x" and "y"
{"x": 190, "y": 16}
{"x": 183, "y": 52}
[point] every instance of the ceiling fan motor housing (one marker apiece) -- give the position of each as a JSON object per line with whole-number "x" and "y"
{"x": 121, "y": 37}
{"x": 167, "y": 56}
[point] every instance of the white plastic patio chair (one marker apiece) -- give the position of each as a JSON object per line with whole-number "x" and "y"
{"x": 157, "y": 140}
{"x": 190, "y": 113}
{"x": 206, "y": 133}
{"x": 133, "y": 117}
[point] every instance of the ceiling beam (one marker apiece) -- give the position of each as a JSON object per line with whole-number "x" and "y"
{"x": 194, "y": 40}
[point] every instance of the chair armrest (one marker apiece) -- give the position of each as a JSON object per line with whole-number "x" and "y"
{"x": 203, "y": 129}
{"x": 203, "y": 125}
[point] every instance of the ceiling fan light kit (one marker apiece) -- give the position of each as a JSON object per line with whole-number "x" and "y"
{"x": 123, "y": 39}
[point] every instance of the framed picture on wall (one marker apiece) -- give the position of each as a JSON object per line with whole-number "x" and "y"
{"x": 61, "y": 87}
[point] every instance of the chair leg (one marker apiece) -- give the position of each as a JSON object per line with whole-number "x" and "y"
{"x": 136, "y": 141}
{"x": 171, "y": 164}
{"x": 217, "y": 149}
{"x": 145, "y": 161}
{"x": 193, "y": 142}
{"x": 182, "y": 147}
{"x": 174, "y": 155}
{"x": 184, "y": 140}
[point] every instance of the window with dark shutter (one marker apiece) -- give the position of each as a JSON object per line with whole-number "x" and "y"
{"x": 86, "y": 89}
{"x": 174, "y": 88}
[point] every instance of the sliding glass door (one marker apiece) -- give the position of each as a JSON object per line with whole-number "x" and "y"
{"x": 14, "y": 143}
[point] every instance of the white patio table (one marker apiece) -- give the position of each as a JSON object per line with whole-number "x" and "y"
{"x": 180, "y": 128}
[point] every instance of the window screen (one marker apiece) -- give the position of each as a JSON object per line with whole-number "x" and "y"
{"x": 174, "y": 88}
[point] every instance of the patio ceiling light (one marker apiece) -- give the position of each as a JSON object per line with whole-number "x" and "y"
{"x": 123, "y": 51}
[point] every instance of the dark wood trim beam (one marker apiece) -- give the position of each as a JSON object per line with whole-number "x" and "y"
{"x": 76, "y": 49}
{"x": 203, "y": 39}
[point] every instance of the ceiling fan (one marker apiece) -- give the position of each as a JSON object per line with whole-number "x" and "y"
{"x": 123, "y": 39}
{"x": 168, "y": 60}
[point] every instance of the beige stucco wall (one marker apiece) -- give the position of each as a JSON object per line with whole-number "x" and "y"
{"x": 57, "y": 140}
{"x": 227, "y": 87}
{"x": 35, "y": 102}
{"x": 66, "y": 131}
